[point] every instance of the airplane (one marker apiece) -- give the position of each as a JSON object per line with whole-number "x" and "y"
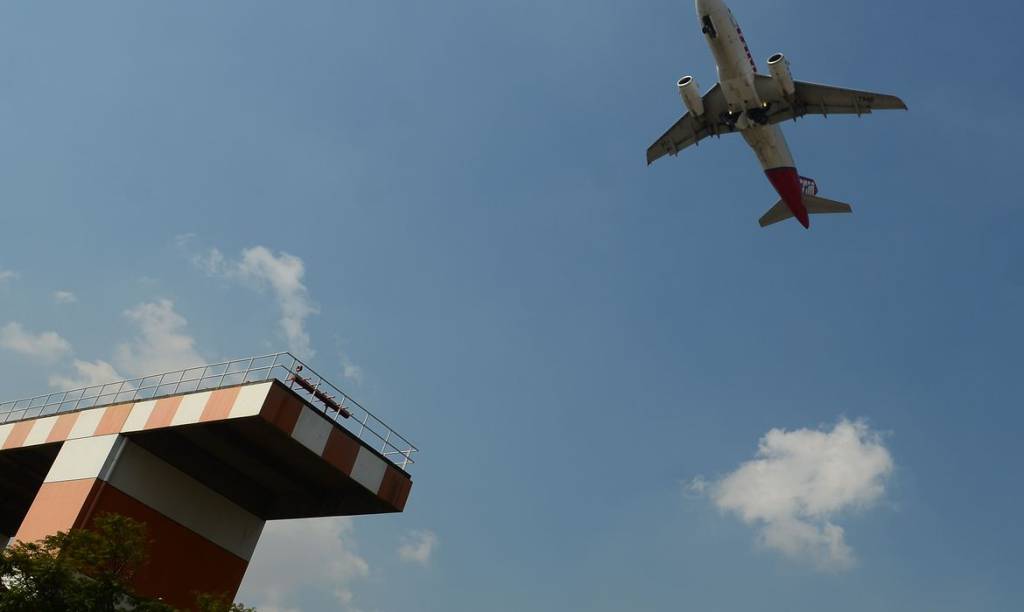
{"x": 753, "y": 104}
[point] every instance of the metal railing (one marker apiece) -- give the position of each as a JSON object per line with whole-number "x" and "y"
{"x": 331, "y": 401}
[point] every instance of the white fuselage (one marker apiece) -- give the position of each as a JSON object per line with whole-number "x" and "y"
{"x": 736, "y": 70}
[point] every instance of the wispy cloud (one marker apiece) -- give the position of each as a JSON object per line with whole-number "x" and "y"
{"x": 799, "y": 482}
{"x": 160, "y": 343}
{"x": 64, "y": 297}
{"x": 7, "y": 275}
{"x": 351, "y": 371}
{"x": 87, "y": 374}
{"x": 294, "y": 556}
{"x": 418, "y": 546}
{"x": 46, "y": 346}
{"x": 183, "y": 241}
{"x": 283, "y": 275}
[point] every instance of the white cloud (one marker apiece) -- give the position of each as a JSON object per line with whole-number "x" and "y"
{"x": 213, "y": 263}
{"x": 283, "y": 274}
{"x": 696, "y": 486}
{"x": 295, "y": 556}
{"x": 417, "y": 546}
{"x": 800, "y": 481}
{"x": 87, "y": 374}
{"x": 160, "y": 344}
{"x": 64, "y": 297}
{"x": 45, "y": 346}
{"x": 351, "y": 371}
{"x": 6, "y": 275}
{"x": 183, "y": 241}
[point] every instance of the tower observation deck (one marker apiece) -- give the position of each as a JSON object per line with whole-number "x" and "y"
{"x": 204, "y": 456}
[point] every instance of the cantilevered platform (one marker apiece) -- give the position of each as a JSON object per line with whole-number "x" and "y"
{"x": 204, "y": 456}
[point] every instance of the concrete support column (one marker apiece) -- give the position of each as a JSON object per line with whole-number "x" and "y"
{"x": 201, "y": 541}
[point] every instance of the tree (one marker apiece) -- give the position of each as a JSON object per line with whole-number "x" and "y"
{"x": 86, "y": 570}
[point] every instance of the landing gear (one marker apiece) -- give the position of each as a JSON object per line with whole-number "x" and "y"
{"x": 758, "y": 115}
{"x": 745, "y": 119}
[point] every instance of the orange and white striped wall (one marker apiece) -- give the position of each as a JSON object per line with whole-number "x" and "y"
{"x": 204, "y": 471}
{"x": 199, "y": 538}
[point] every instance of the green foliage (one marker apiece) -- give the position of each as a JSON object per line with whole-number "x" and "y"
{"x": 85, "y": 570}
{"x": 212, "y": 603}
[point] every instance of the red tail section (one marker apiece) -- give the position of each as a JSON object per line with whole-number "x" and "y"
{"x": 786, "y": 182}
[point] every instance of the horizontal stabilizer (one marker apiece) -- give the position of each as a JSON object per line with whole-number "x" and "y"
{"x": 814, "y": 204}
{"x": 822, "y": 206}
{"x": 779, "y": 212}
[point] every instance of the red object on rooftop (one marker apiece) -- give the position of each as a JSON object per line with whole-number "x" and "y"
{"x": 328, "y": 400}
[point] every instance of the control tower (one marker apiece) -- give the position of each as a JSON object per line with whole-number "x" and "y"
{"x": 204, "y": 457}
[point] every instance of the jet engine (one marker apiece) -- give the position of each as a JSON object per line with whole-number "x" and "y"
{"x": 778, "y": 65}
{"x": 690, "y": 92}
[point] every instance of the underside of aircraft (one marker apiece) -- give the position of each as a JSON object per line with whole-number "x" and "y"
{"x": 753, "y": 105}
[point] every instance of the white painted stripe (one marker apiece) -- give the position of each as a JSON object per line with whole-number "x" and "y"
{"x": 40, "y": 431}
{"x": 249, "y": 401}
{"x": 191, "y": 408}
{"x": 136, "y": 420}
{"x": 184, "y": 500}
{"x": 5, "y": 430}
{"x": 86, "y": 423}
{"x": 369, "y": 469}
{"x": 85, "y": 458}
{"x": 312, "y": 430}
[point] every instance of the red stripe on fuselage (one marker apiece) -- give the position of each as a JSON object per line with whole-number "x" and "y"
{"x": 786, "y": 181}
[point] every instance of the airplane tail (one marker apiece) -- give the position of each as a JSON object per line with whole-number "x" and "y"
{"x": 814, "y": 204}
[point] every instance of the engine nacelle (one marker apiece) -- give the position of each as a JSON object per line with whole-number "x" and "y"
{"x": 778, "y": 65}
{"x": 690, "y": 92}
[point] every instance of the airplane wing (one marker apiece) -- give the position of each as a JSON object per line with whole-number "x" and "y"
{"x": 814, "y": 99}
{"x": 690, "y": 130}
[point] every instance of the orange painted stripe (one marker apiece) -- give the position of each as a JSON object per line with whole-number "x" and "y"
{"x": 18, "y": 434}
{"x": 58, "y": 506}
{"x": 163, "y": 412}
{"x": 282, "y": 409}
{"x": 341, "y": 450}
{"x": 181, "y": 562}
{"x": 62, "y": 427}
{"x": 219, "y": 405}
{"x": 113, "y": 419}
{"x": 395, "y": 487}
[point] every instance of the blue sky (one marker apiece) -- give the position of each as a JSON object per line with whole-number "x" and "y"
{"x": 570, "y": 337}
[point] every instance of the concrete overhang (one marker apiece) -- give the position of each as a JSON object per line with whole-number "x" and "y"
{"x": 260, "y": 445}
